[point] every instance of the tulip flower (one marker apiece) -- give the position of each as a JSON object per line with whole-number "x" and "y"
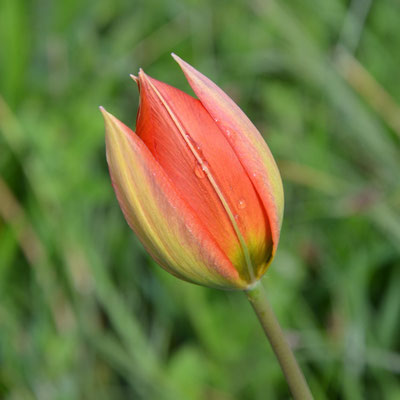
{"x": 197, "y": 183}
{"x": 200, "y": 188}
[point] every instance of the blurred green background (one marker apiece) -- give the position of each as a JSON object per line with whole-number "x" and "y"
{"x": 85, "y": 313}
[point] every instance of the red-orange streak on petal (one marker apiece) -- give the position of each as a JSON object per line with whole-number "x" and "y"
{"x": 248, "y": 144}
{"x": 165, "y": 141}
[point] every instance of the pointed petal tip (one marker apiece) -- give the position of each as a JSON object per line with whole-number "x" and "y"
{"x": 106, "y": 115}
{"x": 178, "y": 60}
{"x": 186, "y": 68}
{"x": 142, "y": 76}
{"x": 134, "y": 77}
{"x": 104, "y": 112}
{"x": 109, "y": 119}
{"x": 114, "y": 128}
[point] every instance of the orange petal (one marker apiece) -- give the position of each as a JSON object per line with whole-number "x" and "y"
{"x": 189, "y": 146}
{"x": 167, "y": 227}
{"x": 246, "y": 141}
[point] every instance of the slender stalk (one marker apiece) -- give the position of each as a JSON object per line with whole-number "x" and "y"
{"x": 294, "y": 377}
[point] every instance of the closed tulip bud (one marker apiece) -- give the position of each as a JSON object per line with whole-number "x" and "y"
{"x": 197, "y": 183}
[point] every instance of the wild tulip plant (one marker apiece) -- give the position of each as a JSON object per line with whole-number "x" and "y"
{"x": 198, "y": 185}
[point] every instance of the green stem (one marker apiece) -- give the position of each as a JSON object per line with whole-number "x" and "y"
{"x": 294, "y": 377}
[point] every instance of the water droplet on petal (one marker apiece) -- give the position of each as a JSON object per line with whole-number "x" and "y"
{"x": 236, "y": 216}
{"x": 231, "y": 135}
{"x": 216, "y": 119}
{"x": 241, "y": 204}
{"x": 199, "y": 152}
{"x": 195, "y": 147}
{"x": 199, "y": 171}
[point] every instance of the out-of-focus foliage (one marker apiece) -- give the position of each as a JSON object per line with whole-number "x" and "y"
{"x": 85, "y": 313}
